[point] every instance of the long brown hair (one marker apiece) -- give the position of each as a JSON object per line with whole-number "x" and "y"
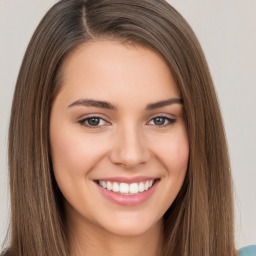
{"x": 200, "y": 221}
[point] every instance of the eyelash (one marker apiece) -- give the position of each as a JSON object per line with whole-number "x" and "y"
{"x": 84, "y": 122}
{"x": 170, "y": 121}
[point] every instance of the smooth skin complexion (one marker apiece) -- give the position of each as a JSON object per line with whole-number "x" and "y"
{"x": 119, "y": 118}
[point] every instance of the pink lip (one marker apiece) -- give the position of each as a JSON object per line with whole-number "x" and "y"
{"x": 128, "y": 200}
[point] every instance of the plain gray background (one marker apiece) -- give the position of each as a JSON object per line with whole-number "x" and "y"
{"x": 227, "y": 32}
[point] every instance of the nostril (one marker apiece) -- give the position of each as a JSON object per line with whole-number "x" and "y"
{"x": 128, "y": 159}
{"x": 129, "y": 150}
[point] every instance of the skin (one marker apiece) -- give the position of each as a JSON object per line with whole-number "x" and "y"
{"x": 127, "y": 142}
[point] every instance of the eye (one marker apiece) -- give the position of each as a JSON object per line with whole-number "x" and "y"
{"x": 93, "y": 122}
{"x": 162, "y": 121}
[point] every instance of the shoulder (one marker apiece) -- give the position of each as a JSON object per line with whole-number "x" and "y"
{"x": 248, "y": 251}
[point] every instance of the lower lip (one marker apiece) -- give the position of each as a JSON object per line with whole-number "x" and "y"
{"x": 128, "y": 200}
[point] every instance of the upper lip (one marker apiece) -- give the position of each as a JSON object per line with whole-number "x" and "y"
{"x": 128, "y": 179}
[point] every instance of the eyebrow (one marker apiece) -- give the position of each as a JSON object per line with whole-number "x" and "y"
{"x": 160, "y": 104}
{"x": 93, "y": 103}
{"x": 107, "y": 105}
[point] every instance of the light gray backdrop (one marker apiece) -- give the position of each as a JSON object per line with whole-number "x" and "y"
{"x": 227, "y": 32}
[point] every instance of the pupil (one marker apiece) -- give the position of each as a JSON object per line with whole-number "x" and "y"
{"x": 93, "y": 121}
{"x": 159, "y": 120}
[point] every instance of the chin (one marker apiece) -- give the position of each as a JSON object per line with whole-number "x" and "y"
{"x": 131, "y": 225}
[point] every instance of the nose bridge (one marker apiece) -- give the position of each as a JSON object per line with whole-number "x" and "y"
{"x": 130, "y": 147}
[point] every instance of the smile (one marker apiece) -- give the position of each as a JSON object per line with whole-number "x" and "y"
{"x": 125, "y": 188}
{"x": 127, "y": 192}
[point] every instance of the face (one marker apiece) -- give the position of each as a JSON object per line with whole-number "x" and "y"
{"x": 119, "y": 144}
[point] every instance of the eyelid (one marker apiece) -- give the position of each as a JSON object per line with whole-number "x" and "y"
{"x": 171, "y": 120}
{"x": 82, "y": 121}
{"x": 170, "y": 116}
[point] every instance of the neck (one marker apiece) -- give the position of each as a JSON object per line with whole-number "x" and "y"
{"x": 88, "y": 239}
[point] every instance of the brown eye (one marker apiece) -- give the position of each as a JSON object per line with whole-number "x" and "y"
{"x": 93, "y": 122}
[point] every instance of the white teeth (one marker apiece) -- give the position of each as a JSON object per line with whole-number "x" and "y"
{"x": 134, "y": 188}
{"x": 141, "y": 187}
{"x": 146, "y": 185}
{"x": 103, "y": 184}
{"x": 109, "y": 185}
{"x": 115, "y": 187}
{"x": 125, "y": 188}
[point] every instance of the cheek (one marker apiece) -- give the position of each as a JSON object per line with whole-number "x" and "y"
{"x": 179, "y": 153}
{"x": 74, "y": 152}
{"x": 74, "y": 155}
{"x": 173, "y": 151}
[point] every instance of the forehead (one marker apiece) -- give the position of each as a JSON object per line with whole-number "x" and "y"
{"x": 115, "y": 70}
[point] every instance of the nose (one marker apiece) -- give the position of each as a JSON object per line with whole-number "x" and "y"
{"x": 129, "y": 148}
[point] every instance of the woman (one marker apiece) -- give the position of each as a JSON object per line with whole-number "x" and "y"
{"x": 116, "y": 139}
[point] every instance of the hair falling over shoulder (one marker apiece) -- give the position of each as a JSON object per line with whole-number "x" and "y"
{"x": 200, "y": 221}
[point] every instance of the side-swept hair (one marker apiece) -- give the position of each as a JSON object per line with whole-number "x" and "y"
{"x": 200, "y": 220}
